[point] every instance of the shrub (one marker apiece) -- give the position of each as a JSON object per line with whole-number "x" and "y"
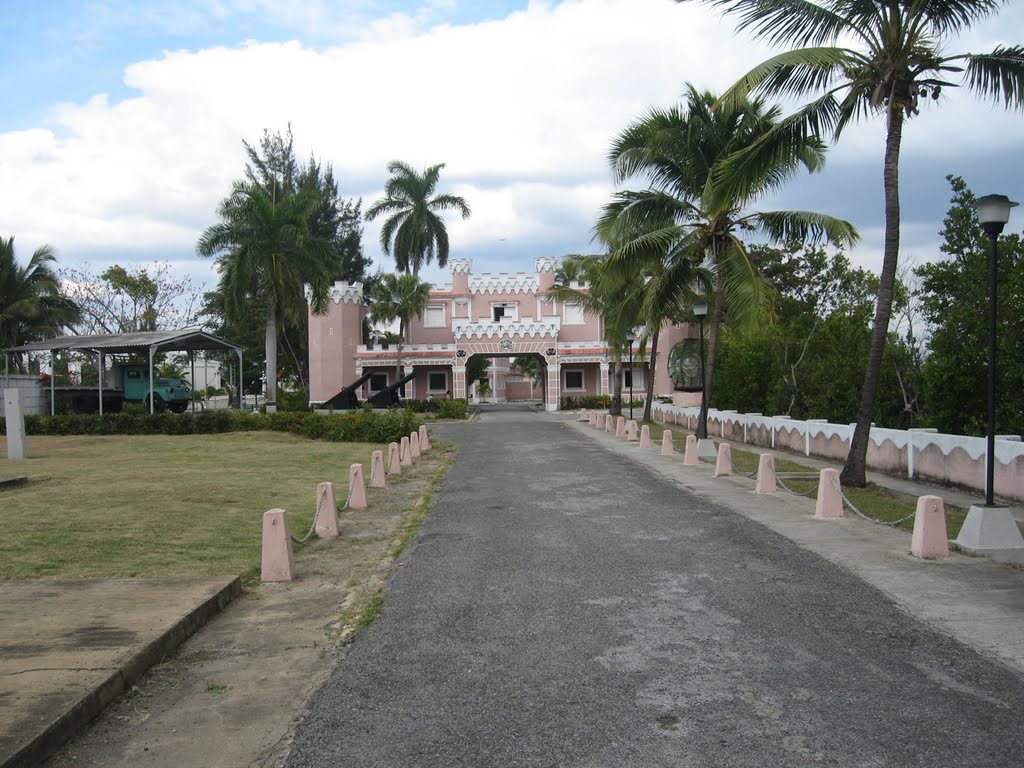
{"x": 452, "y": 409}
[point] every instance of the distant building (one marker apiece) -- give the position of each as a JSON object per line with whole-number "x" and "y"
{"x": 500, "y": 317}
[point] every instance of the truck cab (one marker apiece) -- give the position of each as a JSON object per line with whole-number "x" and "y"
{"x": 167, "y": 393}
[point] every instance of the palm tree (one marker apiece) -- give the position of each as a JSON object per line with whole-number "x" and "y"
{"x": 265, "y": 256}
{"x": 695, "y": 204}
{"x": 414, "y": 232}
{"x": 609, "y": 299}
{"x": 32, "y": 306}
{"x": 399, "y": 297}
{"x": 898, "y": 61}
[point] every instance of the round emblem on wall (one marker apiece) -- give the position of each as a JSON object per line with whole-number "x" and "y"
{"x": 506, "y": 344}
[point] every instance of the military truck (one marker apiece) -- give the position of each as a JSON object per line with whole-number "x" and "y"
{"x": 129, "y": 383}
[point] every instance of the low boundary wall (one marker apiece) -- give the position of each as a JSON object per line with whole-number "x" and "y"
{"x": 915, "y": 453}
{"x": 34, "y": 398}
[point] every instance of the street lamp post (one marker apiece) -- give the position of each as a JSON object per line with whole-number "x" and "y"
{"x": 700, "y": 309}
{"x": 990, "y": 529}
{"x": 993, "y": 213}
{"x": 631, "y": 337}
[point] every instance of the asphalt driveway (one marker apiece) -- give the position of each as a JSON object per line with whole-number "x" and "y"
{"x": 564, "y": 607}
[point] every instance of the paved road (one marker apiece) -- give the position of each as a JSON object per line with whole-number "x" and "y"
{"x": 563, "y": 607}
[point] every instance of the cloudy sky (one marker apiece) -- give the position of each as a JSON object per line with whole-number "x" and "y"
{"x": 123, "y": 120}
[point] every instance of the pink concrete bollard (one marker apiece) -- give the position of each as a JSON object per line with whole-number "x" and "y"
{"x": 377, "y": 479}
{"x": 609, "y": 423}
{"x": 667, "y": 446}
{"x": 645, "y": 436}
{"x": 583, "y": 415}
{"x": 929, "y": 539}
{"x": 723, "y": 465}
{"x": 356, "y": 487}
{"x": 394, "y": 459}
{"x": 594, "y": 419}
{"x": 278, "y": 561}
{"x": 830, "y": 503}
{"x": 326, "y": 512}
{"x": 414, "y": 444}
{"x": 766, "y": 474}
{"x": 631, "y": 430}
{"x": 424, "y": 439}
{"x": 405, "y": 452}
{"x": 620, "y": 426}
{"x": 690, "y": 457}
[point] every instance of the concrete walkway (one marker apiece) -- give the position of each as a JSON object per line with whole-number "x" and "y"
{"x": 68, "y": 648}
{"x": 574, "y": 600}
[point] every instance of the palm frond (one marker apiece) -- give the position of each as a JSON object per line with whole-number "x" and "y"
{"x": 799, "y": 21}
{"x": 804, "y": 226}
{"x": 998, "y": 75}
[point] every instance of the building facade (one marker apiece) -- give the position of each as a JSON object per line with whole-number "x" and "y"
{"x": 501, "y": 317}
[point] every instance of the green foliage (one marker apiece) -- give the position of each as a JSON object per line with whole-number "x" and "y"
{"x": 444, "y": 408}
{"x": 414, "y": 232}
{"x": 350, "y": 427}
{"x": 476, "y": 369}
{"x": 296, "y": 400}
{"x": 595, "y": 402}
{"x": 954, "y": 302}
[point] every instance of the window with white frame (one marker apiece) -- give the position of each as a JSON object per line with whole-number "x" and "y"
{"x": 437, "y": 382}
{"x": 433, "y": 316}
{"x": 505, "y": 311}
{"x": 628, "y": 379}
{"x": 378, "y": 381}
{"x": 572, "y": 314}
{"x": 574, "y": 380}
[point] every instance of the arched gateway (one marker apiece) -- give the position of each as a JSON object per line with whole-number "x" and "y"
{"x": 498, "y": 316}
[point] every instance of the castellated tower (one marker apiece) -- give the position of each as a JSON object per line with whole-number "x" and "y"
{"x": 333, "y": 338}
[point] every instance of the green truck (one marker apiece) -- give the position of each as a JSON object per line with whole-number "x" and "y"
{"x": 129, "y": 383}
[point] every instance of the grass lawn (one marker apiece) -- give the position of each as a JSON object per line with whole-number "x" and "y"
{"x": 872, "y": 500}
{"x": 123, "y": 506}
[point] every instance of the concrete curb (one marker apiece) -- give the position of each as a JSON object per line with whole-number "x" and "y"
{"x": 55, "y": 733}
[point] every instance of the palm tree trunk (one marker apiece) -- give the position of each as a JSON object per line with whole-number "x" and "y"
{"x": 717, "y": 314}
{"x": 651, "y": 368}
{"x": 398, "y": 353}
{"x": 616, "y": 407}
{"x": 854, "y": 471}
{"x": 270, "y": 343}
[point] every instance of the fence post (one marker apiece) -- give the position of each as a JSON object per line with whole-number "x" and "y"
{"x": 377, "y": 479}
{"x": 829, "y": 504}
{"x": 356, "y": 487}
{"x": 327, "y": 519}
{"x": 766, "y": 474}
{"x": 278, "y": 560}
{"x": 667, "y": 446}
{"x": 723, "y": 465}
{"x": 929, "y": 539}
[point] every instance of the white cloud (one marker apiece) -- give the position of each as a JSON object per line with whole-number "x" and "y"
{"x": 521, "y": 109}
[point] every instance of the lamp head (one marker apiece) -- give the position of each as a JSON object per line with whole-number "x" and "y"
{"x": 994, "y": 212}
{"x": 700, "y": 308}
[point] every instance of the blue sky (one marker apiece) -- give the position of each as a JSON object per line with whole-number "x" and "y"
{"x": 123, "y": 120}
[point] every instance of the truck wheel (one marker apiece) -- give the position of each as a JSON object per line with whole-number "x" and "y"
{"x": 159, "y": 406}
{"x": 178, "y": 407}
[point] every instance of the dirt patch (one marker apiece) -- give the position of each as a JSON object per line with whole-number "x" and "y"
{"x": 230, "y": 696}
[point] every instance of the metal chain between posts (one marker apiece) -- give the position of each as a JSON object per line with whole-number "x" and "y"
{"x": 316, "y": 515}
{"x": 866, "y": 517}
{"x": 744, "y": 474}
{"x": 795, "y": 493}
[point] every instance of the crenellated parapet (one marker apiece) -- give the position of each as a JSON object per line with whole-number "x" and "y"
{"x": 526, "y": 329}
{"x": 341, "y": 292}
{"x": 504, "y": 283}
{"x": 461, "y": 266}
{"x": 546, "y": 264}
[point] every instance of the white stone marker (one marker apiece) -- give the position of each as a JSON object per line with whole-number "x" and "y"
{"x": 15, "y": 424}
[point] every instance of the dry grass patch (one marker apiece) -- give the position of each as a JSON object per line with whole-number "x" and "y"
{"x": 123, "y": 506}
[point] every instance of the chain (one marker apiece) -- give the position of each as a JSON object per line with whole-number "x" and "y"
{"x": 795, "y": 493}
{"x": 744, "y": 474}
{"x": 316, "y": 515}
{"x": 861, "y": 514}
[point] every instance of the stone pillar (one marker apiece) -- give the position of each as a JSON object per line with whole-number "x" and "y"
{"x": 929, "y": 539}
{"x": 553, "y": 389}
{"x": 723, "y": 466}
{"x": 356, "y": 487}
{"x": 278, "y": 560}
{"x": 765, "y": 474}
{"x": 327, "y": 512}
{"x": 459, "y": 380}
{"x": 15, "y": 424}
{"x": 394, "y": 459}
{"x": 377, "y": 474}
{"x": 602, "y": 381}
{"x": 830, "y": 503}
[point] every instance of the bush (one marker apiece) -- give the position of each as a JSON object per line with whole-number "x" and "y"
{"x": 452, "y": 409}
{"x": 365, "y": 426}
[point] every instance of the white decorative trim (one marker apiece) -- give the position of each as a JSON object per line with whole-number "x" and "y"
{"x": 546, "y": 264}
{"x": 461, "y": 266}
{"x": 504, "y": 283}
{"x": 464, "y": 329}
{"x": 341, "y": 291}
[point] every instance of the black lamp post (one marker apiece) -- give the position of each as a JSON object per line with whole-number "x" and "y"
{"x": 631, "y": 337}
{"x": 700, "y": 310}
{"x": 993, "y": 213}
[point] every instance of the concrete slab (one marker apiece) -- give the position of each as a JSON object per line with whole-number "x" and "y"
{"x": 68, "y": 648}
{"x": 10, "y": 481}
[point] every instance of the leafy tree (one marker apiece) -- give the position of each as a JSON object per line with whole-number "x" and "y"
{"x": 414, "y": 232}
{"x": 32, "y": 306}
{"x": 697, "y": 201}
{"x": 954, "y": 302}
{"x": 265, "y": 254}
{"x": 897, "y": 61}
{"x": 476, "y": 369}
{"x": 399, "y": 297}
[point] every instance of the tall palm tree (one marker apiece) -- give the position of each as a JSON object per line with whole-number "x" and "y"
{"x": 399, "y": 297}
{"x": 265, "y": 256}
{"x": 32, "y": 305}
{"x": 694, "y": 206}
{"x": 608, "y": 299}
{"x": 414, "y": 232}
{"x": 897, "y": 60}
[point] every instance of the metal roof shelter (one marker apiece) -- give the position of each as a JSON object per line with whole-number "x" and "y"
{"x": 189, "y": 340}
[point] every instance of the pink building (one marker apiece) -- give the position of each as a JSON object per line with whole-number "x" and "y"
{"x": 501, "y": 317}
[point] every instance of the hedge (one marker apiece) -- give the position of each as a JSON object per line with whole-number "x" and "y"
{"x": 447, "y": 408}
{"x": 594, "y": 402}
{"x": 362, "y": 426}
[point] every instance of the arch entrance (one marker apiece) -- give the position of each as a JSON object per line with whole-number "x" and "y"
{"x": 506, "y": 350}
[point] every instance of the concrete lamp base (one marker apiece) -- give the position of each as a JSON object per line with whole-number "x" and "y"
{"x": 992, "y": 532}
{"x": 706, "y": 449}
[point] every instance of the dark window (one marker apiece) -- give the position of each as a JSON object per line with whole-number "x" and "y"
{"x": 574, "y": 379}
{"x": 437, "y": 381}
{"x": 499, "y": 312}
{"x": 378, "y": 382}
